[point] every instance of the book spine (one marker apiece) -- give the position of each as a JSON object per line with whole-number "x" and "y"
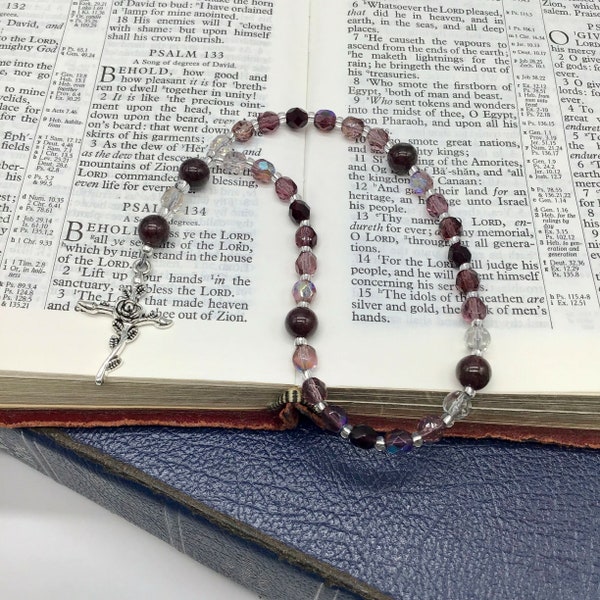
{"x": 244, "y": 561}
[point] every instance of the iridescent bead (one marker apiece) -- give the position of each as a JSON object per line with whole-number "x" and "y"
{"x": 398, "y": 441}
{"x": 299, "y": 211}
{"x": 325, "y": 120}
{"x": 306, "y": 264}
{"x": 262, "y": 170}
{"x": 313, "y": 391}
{"x": 304, "y": 290}
{"x": 352, "y": 128}
{"x": 431, "y": 428}
{"x": 195, "y": 172}
{"x": 467, "y": 281}
{"x": 172, "y": 200}
{"x": 450, "y": 227}
{"x": 363, "y": 436}
{"x": 474, "y": 371}
{"x": 301, "y": 321}
{"x": 377, "y": 139}
{"x": 457, "y": 404}
{"x": 243, "y": 131}
{"x": 153, "y": 230}
{"x": 234, "y": 162}
{"x": 436, "y": 205}
{"x": 306, "y": 236}
{"x": 334, "y": 418}
{"x": 218, "y": 142}
{"x": 458, "y": 255}
{"x": 401, "y": 157}
{"x": 477, "y": 337}
{"x": 268, "y": 122}
{"x": 421, "y": 182}
{"x": 285, "y": 188}
{"x": 473, "y": 308}
{"x": 305, "y": 357}
{"x": 296, "y": 118}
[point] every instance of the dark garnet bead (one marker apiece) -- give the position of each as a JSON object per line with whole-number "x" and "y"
{"x": 450, "y": 227}
{"x": 474, "y": 371}
{"x": 153, "y": 230}
{"x": 296, "y": 118}
{"x": 299, "y": 211}
{"x": 195, "y": 172}
{"x": 458, "y": 255}
{"x": 301, "y": 321}
{"x": 334, "y": 418}
{"x": 401, "y": 157}
{"x": 313, "y": 391}
{"x": 363, "y": 436}
{"x": 306, "y": 236}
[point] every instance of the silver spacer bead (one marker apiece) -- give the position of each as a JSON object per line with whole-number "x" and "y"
{"x": 305, "y": 249}
{"x": 277, "y": 175}
{"x": 147, "y": 251}
{"x": 455, "y": 239}
{"x": 414, "y": 169}
{"x": 474, "y": 294}
{"x": 388, "y": 146}
{"x": 380, "y": 443}
{"x": 417, "y": 439}
{"x": 319, "y": 407}
{"x": 464, "y": 267}
{"x": 303, "y": 304}
{"x": 477, "y": 352}
{"x": 443, "y": 216}
{"x": 477, "y": 322}
{"x": 307, "y": 374}
{"x": 470, "y": 391}
{"x": 346, "y": 431}
{"x": 183, "y": 186}
{"x": 306, "y": 277}
{"x": 304, "y": 223}
{"x": 448, "y": 420}
{"x": 281, "y": 116}
{"x": 300, "y": 341}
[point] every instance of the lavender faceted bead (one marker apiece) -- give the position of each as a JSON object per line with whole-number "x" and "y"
{"x": 304, "y": 290}
{"x": 313, "y": 391}
{"x": 431, "y": 428}
{"x": 436, "y": 205}
{"x": 306, "y": 264}
{"x": 334, "y": 418}
{"x": 398, "y": 441}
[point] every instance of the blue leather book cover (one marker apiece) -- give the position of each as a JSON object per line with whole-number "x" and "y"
{"x": 303, "y": 515}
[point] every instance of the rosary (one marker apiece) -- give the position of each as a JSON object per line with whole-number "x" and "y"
{"x": 128, "y": 315}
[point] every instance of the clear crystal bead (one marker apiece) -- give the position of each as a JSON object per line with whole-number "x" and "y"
{"x": 218, "y": 143}
{"x": 477, "y": 337}
{"x": 234, "y": 162}
{"x": 172, "y": 200}
{"x": 457, "y": 404}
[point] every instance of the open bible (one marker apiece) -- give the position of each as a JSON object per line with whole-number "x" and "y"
{"x": 102, "y": 101}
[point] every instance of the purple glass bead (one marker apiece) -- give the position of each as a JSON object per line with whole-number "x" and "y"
{"x": 436, "y": 205}
{"x": 195, "y": 172}
{"x": 296, "y": 118}
{"x": 301, "y": 321}
{"x": 306, "y": 263}
{"x": 421, "y": 182}
{"x": 458, "y": 255}
{"x": 352, "y": 128}
{"x": 304, "y": 290}
{"x": 313, "y": 391}
{"x": 398, "y": 441}
{"x": 325, "y": 120}
{"x": 450, "y": 227}
{"x": 299, "y": 211}
{"x": 401, "y": 158}
{"x": 431, "y": 428}
{"x": 262, "y": 170}
{"x": 467, "y": 281}
{"x": 153, "y": 230}
{"x": 363, "y": 436}
{"x": 473, "y": 308}
{"x": 305, "y": 357}
{"x": 285, "y": 188}
{"x": 268, "y": 122}
{"x": 377, "y": 139}
{"x": 243, "y": 131}
{"x": 306, "y": 236}
{"x": 474, "y": 371}
{"x": 334, "y": 418}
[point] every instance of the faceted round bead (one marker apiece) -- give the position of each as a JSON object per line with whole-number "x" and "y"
{"x": 377, "y": 139}
{"x": 195, "y": 172}
{"x": 296, "y": 118}
{"x": 401, "y": 158}
{"x": 352, "y": 128}
{"x": 262, "y": 170}
{"x": 325, "y": 120}
{"x": 421, "y": 182}
{"x": 467, "y": 281}
{"x": 477, "y": 337}
{"x": 450, "y": 227}
{"x": 172, "y": 200}
{"x": 313, "y": 391}
{"x": 234, "y": 162}
{"x": 363, "y": 436}
{"x": 305, "y": 357}
{"x": 285, "y": 188}
{"x": 301, "y": 321}
{"x": 306, "y": 264}
{"x": 436, "y": 205}
{"x": 304, "y": 290}
{"x": 431, "y": 428}
{"x": 458, "y": 255}
{"x": 243, "y": 131}
{"x": 299, "y": 211}
{"x": 219, "y": 142}
{"x": 474, "y": 371}
{"x": 473, "y": 308}
{"x": 334, "y": 418}
{"x": 306, "y": 236}
{"x": 457, "y": 404}
{"x": 398, "y": 441}
{"x": 153, "y": 230}
{"x": 268, "y": 122}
